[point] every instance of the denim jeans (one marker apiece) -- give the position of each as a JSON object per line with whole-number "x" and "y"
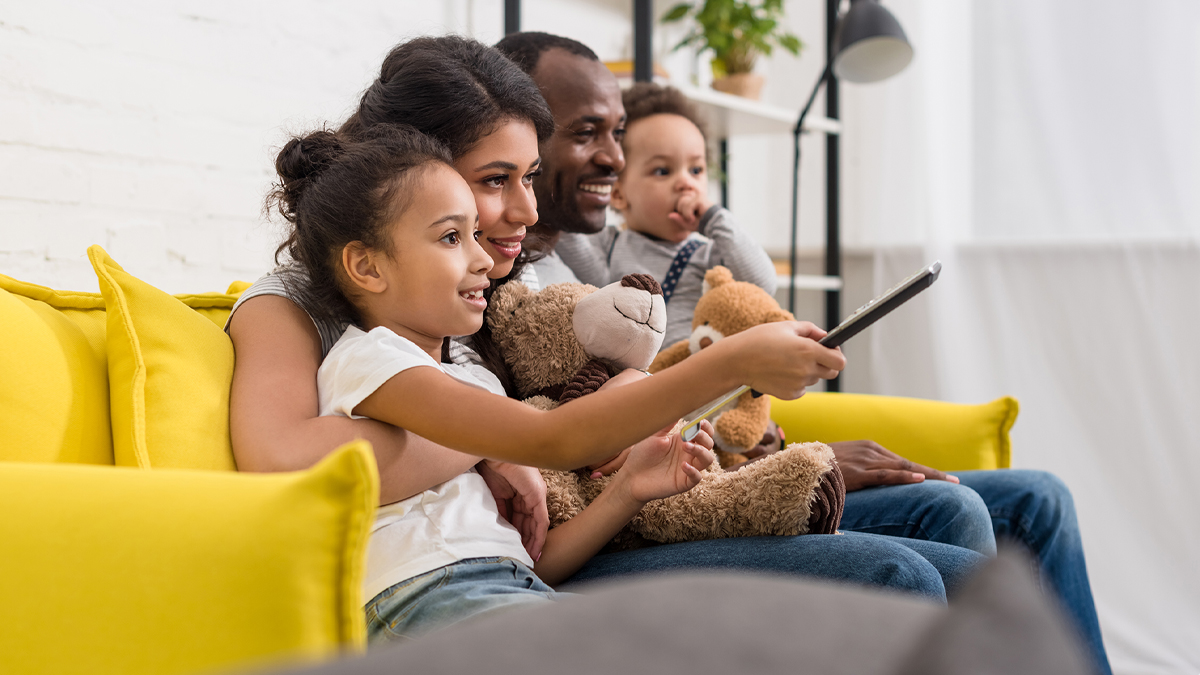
{"x": 451, "y": 594}
{"x": 1034, "y": 508}
{"x": 916, "y": 566}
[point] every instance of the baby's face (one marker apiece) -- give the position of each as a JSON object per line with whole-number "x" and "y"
{"x": 665, "y": 172}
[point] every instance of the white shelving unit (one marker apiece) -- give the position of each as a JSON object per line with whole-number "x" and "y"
{"x": 728, "y": 115}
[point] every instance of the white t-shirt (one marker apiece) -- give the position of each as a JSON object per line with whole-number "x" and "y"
{"x": 444, "y": 524}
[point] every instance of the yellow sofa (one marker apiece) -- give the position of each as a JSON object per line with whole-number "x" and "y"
{"x": 131, "y": 545}
{"x": 189, "y": 567}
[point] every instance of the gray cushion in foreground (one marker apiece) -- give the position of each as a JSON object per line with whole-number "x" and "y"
{"x": 726, "y": 624}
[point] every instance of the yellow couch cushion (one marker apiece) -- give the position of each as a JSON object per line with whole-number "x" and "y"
{"x": 117, "y": 570}
{"x": 946, "y": 436}
{"x": 169, "y": 370}
{"x": 53, "y": 375}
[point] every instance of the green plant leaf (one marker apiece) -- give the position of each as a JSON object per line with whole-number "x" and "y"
{"x": 791, "y": 43}
{"x": 677, "y": 12}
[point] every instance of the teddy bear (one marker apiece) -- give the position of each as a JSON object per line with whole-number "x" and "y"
{"x": 566, "y": 340}
{"x": 727, "y": 307}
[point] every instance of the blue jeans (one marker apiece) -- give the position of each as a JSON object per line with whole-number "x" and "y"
{"x": 916, "y": 566}
{"x": 451, "y": 594}
{"x": 1031, "y": 507}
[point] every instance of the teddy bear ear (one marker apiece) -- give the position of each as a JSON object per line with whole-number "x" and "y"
{"x": 506, "y": 300}
{"x": 778, "y": 315}
{"x": 717, "y": 276}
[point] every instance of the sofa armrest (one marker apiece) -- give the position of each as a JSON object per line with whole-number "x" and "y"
{"x": 121, "y": 570}
{"x": 946, "y": 436}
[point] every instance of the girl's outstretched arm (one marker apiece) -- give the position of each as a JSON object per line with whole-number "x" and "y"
{"x": 779, "y": 358}
{"x": 273, "y": 407}
{"x": 658, "y": 467}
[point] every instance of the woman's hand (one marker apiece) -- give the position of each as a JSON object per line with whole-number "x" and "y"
{"x": 665, "y": 464}
{"x": 783, "y": 358}
{"x": 520, "y": 494}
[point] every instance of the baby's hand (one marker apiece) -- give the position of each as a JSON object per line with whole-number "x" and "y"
{"x": 665, "y": 464}
{"x": 689, "y": 209}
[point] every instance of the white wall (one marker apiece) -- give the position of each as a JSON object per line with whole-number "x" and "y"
{"x": 150, "y": 127}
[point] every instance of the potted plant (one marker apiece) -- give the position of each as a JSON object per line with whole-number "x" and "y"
{"x": 737, "y": 32}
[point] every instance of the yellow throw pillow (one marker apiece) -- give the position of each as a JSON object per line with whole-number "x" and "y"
{"x": 116, "y": 570}
{"x": 169, "y": 371}
{"x": 53, "y": 376}
{"x": 946, "y": 436}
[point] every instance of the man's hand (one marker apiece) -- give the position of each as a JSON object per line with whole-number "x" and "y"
{"x": 867, "y": 463}
{"x": 520, "y": 495}
{"x": 771, "y": 443}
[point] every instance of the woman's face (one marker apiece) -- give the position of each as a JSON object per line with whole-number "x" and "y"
{"x": 500, "y": 170}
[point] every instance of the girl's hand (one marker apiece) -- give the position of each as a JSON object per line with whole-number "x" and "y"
{"x": 611, "y": 466}
{"x": 520, "y": 494}
{"x": 665, "y": 464}
{"x": 782, "y": 358}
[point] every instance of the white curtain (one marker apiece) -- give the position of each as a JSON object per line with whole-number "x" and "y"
{"x": 1049, "y": 154}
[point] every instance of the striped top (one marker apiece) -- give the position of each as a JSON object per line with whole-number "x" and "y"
{"x": 273, "y": 283}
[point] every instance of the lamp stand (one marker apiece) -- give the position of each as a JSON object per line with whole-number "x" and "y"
{"x": 796, "y": 187}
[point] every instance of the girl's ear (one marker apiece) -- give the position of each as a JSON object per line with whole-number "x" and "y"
{"x": 361, "y": 265}
{"x": 619, "y": 202}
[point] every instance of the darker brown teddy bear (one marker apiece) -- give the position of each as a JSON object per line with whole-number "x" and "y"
{"x": 567, "y": 339}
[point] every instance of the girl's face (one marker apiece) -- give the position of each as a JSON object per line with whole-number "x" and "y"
{"x": 500, "y": 170}
{"x": 436, "y": 274}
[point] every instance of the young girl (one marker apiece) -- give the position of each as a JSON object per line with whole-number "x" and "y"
{"x": 388, "y": 218}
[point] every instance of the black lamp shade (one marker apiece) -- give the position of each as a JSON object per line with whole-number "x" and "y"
{"x": 870, "y": 44}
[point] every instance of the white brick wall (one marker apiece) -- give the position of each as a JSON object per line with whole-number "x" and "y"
{"x": 150, "y": 127}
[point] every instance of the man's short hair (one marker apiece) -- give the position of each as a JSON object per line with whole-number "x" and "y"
{"x": 524, "y": 49}
{"x": 647, "y": 98}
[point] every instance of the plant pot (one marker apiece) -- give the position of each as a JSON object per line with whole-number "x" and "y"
{"x": 746, "y": 85}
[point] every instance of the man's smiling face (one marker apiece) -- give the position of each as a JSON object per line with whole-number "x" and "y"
{"x": 581, "y": 160}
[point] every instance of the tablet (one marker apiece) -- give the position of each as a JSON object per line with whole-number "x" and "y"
{"x": 691, "y": 423}
{"x": 879, "y": 307}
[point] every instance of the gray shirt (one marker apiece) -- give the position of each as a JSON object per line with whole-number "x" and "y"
{"x": 552, "y": 270}
{"x": 602, "y": 258}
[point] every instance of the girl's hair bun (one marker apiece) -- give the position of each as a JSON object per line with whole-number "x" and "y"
{"x": 302, "y": 159}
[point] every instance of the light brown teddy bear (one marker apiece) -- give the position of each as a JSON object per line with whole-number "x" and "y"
{"x": 725, "y": 308}
{"x": 568, "y": 339}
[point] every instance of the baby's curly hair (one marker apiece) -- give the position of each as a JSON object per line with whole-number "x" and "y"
{"x": 647, "y": 98}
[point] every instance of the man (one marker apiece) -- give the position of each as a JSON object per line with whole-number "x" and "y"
{"x": 579, "y": 165}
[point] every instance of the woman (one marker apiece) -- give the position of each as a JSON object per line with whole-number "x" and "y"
{"x": 483, "y": 107}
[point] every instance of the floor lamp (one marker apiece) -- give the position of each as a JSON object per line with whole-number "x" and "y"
{"x": 868, "y": 45}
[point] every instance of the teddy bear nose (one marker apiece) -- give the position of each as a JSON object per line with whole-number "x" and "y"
{"x": 643, "y": 282}
{"x": 705, "y": 342}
